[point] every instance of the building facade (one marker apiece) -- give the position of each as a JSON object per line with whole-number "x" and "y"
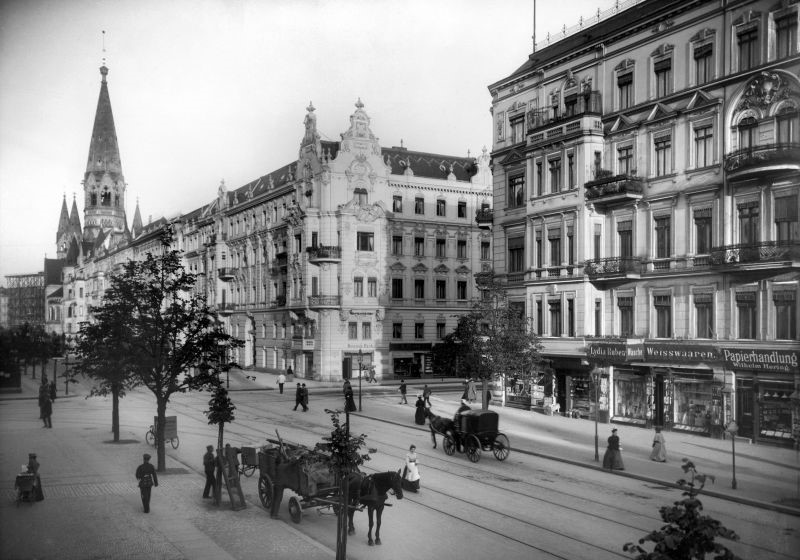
{"x": 354, "y": 256}
{"x": 646, "y": 202}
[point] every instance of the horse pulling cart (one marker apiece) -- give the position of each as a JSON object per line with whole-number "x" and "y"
{"x": 303, "y": 471}
{"x": 477, "y": 431}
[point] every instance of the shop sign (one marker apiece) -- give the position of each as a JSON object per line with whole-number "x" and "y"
{"x": 761, "y": 360}
{"x": 680, "y": 353}
{"x": 409, "y": 346}
{"x": 602, "y": 351}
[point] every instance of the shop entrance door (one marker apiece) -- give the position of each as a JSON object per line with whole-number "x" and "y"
{"x": 744, "y": 408}
{"x": 658, "y": 400}
{"x": 347, "y": 368}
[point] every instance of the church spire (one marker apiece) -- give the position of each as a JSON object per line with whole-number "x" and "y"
{"x": 103, "y": 183}
{"x": 63, "y": 220}
{"x": 74, "y": 218}
{"x": 137, "y": 221}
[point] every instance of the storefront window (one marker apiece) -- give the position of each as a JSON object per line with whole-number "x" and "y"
{"x": 775, "y": 412}
{"x": 697, "y": 408}
{"x": 630, "y": 393}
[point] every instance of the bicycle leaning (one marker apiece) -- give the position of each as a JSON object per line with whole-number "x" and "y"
{"x": 150, "y": 438}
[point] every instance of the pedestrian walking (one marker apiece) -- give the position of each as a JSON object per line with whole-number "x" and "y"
{"x": 612, "y": 460}
{"x": 419, "y": 415}
{"x": 659, "y": 452}
{"x": 426, "y": 394}
{"x": 473, "y": 392}
{"x": 403, "y": 389}
{"x": 349, "y": 402}
{"x": 47, "y": 412}
{"x": 147, "y": 477}
{"x": 33, "y": 467}
{"x": 372, "y": 375}
{"x": 304, "y": 399}
{"x": 281, "y": 380}
{"x": 410, "y": 480}
{"x": 208, "y": 467}
{"x": 298, "y": 396}
{"x": 43, "y": 395}
{"x": 289, "y": 371}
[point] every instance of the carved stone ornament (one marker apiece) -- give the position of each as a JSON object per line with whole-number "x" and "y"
{"x": 368, "y": 213}
{"x": 764, "y": 90}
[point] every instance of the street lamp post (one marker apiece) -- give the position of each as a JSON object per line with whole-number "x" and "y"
{"x": 360, "y": 362}
{"x": 732, "y": 428}
{"x": 596, "y": 380}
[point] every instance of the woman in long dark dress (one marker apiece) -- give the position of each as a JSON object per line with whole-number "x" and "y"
{"x": 419, "y": 415}
{"x": 349, "y": 402}
{"x": 613, "y": 457}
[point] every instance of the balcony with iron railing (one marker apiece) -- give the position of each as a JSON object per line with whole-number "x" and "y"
{"x": 612, "y": 190}
{"x": 613, "y": 271}
{"x": 484, "y": 217}
{"x": 324, "y": 253}
{"x": 759, "y": 260}
{"x": 226, "y": 274}
{"x": 589, "y": 103}
{"x": 324, "y": 301}
{"x": 279, "y": 301}
{"x": 764, "y": 158}
{"x": 226, "y": 308}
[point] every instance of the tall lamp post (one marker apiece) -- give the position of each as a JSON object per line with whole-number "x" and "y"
{"x": 596, "y": 380}
{"x": 360, "y": 365}
{"x": 344, "y": 498}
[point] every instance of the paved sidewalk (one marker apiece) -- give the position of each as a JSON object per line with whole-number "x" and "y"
{"x": 87, "y": 485}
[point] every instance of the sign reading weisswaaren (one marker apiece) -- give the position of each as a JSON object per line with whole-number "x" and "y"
{"x": 608, "y": 352}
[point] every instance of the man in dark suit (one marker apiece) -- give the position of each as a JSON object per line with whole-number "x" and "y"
{"x": 147, "y": 477}
{"x": 298, "y": 396}
{"x": 208, "y": 466}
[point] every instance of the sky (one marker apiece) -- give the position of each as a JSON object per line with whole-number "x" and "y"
{"x": 211, "y": 90}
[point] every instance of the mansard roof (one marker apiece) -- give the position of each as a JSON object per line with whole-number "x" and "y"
{"x": 430, "y": 165}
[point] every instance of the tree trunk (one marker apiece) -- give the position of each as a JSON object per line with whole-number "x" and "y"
{"x": 220, "y": 466}
{"x": 161, "y": 407}
{"x": 115, "y": 413}
{"x": 485, "y": 395}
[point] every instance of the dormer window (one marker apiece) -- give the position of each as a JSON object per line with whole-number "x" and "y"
{"x": 361, "y": 196}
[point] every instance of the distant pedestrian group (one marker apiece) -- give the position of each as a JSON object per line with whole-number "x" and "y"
{"x": 301, "y": 397}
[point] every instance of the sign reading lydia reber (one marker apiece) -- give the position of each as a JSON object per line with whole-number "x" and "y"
{"x": 610, "y": 351}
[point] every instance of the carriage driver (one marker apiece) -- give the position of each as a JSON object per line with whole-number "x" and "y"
{"x": 457, "y": 420}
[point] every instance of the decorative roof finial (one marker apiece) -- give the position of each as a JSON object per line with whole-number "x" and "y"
{"x": 103, "y": 69}
{"x": 359, "y": 104}
{"x": 310, "y": 107}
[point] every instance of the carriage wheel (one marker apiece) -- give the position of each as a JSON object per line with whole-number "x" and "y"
{"x": 472, "y": 447}
{"x": 150, "y": 438}
{"x": 248, "y": 470}
{"x": 295, "y": 511}
{"x": 501, "y": 447}
{"x": 175, "y": 442}
{"x": 449, "y": 444}
{"x": 265, "y": 491}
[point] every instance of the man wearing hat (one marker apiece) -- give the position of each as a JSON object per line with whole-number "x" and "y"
{"x": 298, "y": 396}
{"x": 147, "y": 477}
{"x": 208, "y": 465}
{"x": 33, "y": 467}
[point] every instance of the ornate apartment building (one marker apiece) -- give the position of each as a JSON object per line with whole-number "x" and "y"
{"x": 353, "y": 255}
{"x": 646, "y": 203}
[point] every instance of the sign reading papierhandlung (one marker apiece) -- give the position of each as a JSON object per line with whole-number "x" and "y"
{"x": 762, "y": 360}
{"x": 636, "y": 350}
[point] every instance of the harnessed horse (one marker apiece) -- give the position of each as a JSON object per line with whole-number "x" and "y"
{"x": 439, "y": 425}
{"x": 371, "y": 491}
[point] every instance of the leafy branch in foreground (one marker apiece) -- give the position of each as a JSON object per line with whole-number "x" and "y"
{"x": 688, "y": 534}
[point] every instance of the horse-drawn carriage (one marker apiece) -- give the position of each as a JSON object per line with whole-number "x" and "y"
{"x": 307, "y": 473}
{"x": 471, "y": 432}
{"x": 303, "y": 471}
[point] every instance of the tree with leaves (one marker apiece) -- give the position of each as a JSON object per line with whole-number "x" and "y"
{"x": 173, "y": 341}
{"x": 688, "y": 534}
{"x": 220, "y": 412}
{"x": 345, "y": 457}
{"x": 493, "y": 340}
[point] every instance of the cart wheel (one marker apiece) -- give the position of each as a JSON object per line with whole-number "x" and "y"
{"x": 265, "y": 491}
{"x": 295, "y": 511}
{"x": 500, "y": 447}
{"x": 473, "y": 448}
{"x": 449, "y": 444}
{"x": 175, "y": 442}
{"x": 248, "y": 470}
{"x": 150, "y": 438}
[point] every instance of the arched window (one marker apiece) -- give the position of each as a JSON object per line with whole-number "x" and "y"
{"x": 361, "y": 196}
{"x": 747, "y": 133}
